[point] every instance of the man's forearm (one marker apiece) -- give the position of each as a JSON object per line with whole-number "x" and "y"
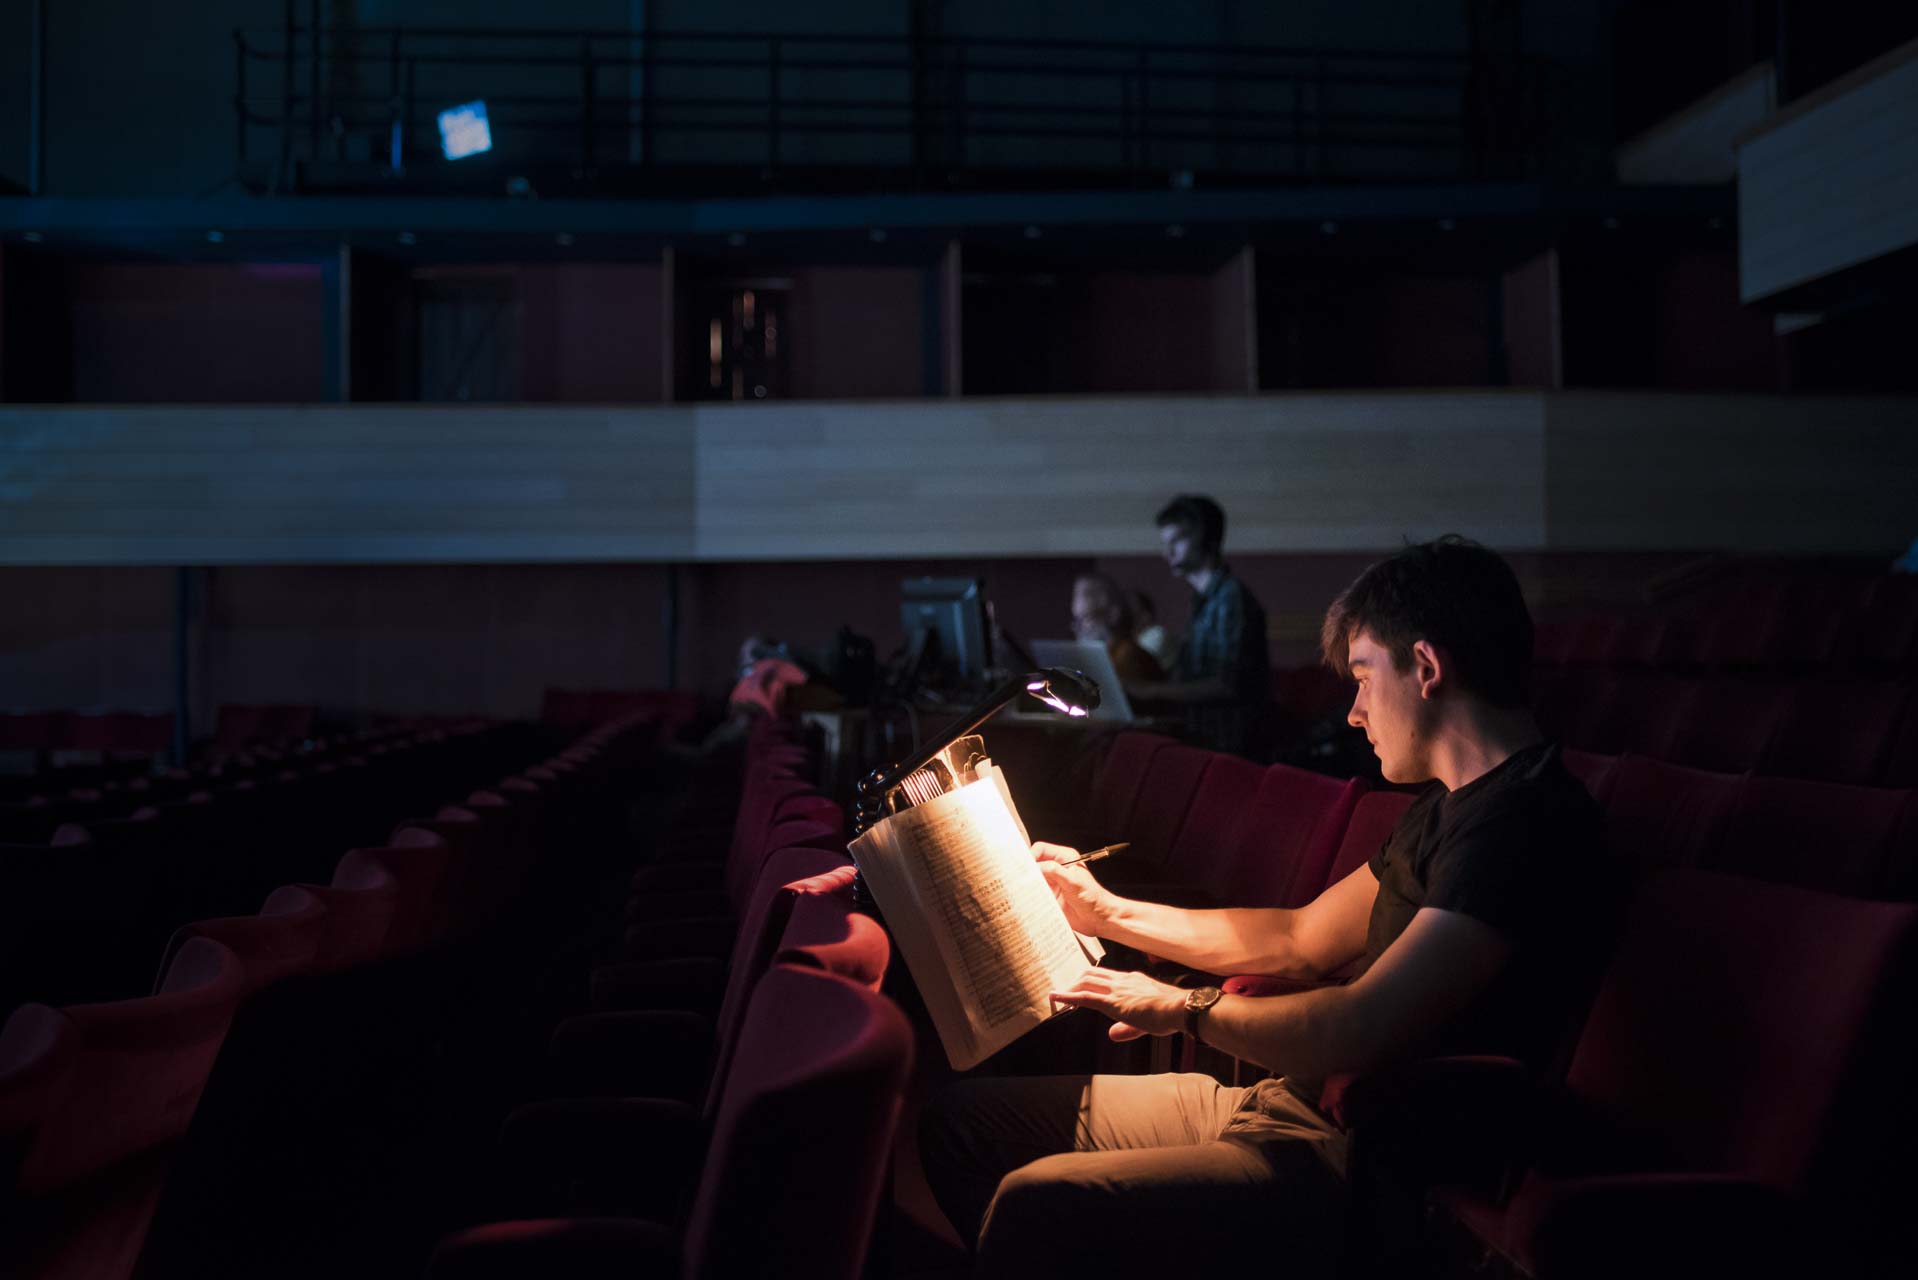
{"x": 1234, "y": 940}
{"x": 1312, "y": 1033}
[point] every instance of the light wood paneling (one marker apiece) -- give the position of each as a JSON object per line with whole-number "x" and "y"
{"x": 350, "y": 484}
{"x": 817, "y": 480}
{"x": 1831, "y": 184}
{"x": 1804, "y": 475}
{"x": 1061, "y": 476}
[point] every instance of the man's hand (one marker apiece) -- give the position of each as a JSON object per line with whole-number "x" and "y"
{"x": 1137, "y": 1005}
{"x": 1087, "y": 904}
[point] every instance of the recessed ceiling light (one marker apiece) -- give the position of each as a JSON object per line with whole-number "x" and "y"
{"x": 215, "y": 237}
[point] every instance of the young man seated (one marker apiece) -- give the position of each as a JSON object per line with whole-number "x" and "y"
{"x": 1471, "y": 931}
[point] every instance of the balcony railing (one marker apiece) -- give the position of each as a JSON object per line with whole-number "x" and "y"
{"x": 330, "y": 109}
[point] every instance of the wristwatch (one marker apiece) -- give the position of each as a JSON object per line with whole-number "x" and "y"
{"x": 1197, "y": 1001}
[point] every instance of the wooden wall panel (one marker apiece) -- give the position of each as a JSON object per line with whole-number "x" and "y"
{"x": 1051, "y": 477}
{"x": 1066, "y": 477}
{"x": 317, "y": 484}
{"x": 1797, "y": 475}
{"x": 1833, "y": 182}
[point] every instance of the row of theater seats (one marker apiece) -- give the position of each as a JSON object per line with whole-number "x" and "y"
{"x": 1858, "y": 731}
{"x": 180, "y": 1132}
{"x": 727, "y": 1106}
{"x": 1736, "y": 1099}
{"x": 1757, "y": 618}
{"x": 86, "y": 907}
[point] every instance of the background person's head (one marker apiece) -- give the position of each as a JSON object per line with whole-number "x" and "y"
{"x": 1437, "y": 626}
{"x": 1100, "y": 610}
{"x": 1191, "y": 533}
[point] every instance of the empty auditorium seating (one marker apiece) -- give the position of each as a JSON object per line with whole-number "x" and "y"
{"x": 1165, "y": 795}
{"x": 793, "y": 1172}
{"x": 93, "y": 1170}
{"x": 1821, "y": 835}
{"x": 1665, "y": 815}
{"x": 1725, "y": 1110}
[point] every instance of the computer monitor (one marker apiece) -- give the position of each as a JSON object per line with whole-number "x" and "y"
{"x": 947, "y": 644}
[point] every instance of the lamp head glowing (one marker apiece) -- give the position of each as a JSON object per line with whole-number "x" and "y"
{"x": 1071, "y": 692}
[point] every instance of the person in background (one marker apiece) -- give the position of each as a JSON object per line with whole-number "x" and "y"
{"x": 1150, "y": 633}
{"x": 1221, "y": 678}
{"x": 1102, "y": 613}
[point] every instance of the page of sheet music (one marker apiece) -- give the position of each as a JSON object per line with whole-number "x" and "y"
{"x": 972, "y": 916}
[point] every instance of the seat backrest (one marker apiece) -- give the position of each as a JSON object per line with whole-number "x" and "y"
{"x": 138, "y": 1070}
{"x": 359, "y": 914}
{"x": 1818, "y": 835}
{"x": 36, "y": 1057}
{"x": 1165, "y": 794}
{"x": 1887, "y": 638}
{"x": 1121, "y": 774}
{"x": 1592, "y": 769}
{"x": 1204, "y": 848}
{"x": 825, "y": 932}
{"x": 1636, "y": 711}
{"x": 1288, "y": 838}
{"x": 787, "y": 874}
{"x": 280, "y": 942}
{"x": 1738, "y": 1027}
{"x": 742, "y": 874}
{"x": 1373, "y": 819}
{"x": 1725, "y": 723}
{"x": 1665, "y": 815}
{"x": 1901, "y": 760}
{"x": 802, "y": 1139}
{"x": 419, "y": 862}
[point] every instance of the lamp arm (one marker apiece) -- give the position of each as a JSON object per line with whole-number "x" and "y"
{"x": 877, "y": 785}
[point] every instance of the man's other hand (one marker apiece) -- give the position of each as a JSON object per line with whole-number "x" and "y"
{"x": 1086, "y": 903}
{"x": 1137, "y": 1005}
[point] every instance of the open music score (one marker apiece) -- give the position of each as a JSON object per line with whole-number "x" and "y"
{"x": 972, "y": 915}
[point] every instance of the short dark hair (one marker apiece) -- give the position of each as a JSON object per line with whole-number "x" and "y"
{"x": 1199, "y": 512}
{"x": 1452, "y": 593}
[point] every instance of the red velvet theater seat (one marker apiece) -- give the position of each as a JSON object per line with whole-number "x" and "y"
{"x": 1665, "y": 815}
{"x": 794, "y": 1169}
{"x": 1165, "y": 797}
{"x": 1735, "y": 1104}
{"x": 1818, "y": 835}
{"x": 92, "y": 1174}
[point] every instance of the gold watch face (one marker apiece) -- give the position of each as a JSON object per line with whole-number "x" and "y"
{"x": 1202, "y": 998}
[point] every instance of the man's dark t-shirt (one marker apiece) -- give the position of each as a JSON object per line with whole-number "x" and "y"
{"x": 1520, "y": 849}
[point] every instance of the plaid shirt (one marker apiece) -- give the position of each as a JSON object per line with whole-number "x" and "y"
{"x": 1227, "y": 641}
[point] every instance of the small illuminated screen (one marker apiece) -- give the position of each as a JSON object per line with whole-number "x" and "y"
{"x": 464, "y": 131}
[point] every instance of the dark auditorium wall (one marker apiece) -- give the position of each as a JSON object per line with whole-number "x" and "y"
{"x": 195, "y": 333}
{"x": 459, "y": 639}
{"x": 589, "y": 333}
{"x": 858, "y": 332}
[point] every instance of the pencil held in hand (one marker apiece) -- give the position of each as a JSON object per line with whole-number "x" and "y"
{"x": 1094, "y": 855}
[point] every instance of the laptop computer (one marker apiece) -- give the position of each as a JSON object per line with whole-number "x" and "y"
{"x": 1091, "y": 657}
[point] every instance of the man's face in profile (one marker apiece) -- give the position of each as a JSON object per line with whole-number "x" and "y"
{"x": 1388, "y": 707}
{"x": 1183, "y": 551}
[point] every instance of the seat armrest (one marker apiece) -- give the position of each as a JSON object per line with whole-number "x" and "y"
{"x": 691, "y": 984}
{"x": 1467, "y": 1120}
{"x": 654, "y": 1054}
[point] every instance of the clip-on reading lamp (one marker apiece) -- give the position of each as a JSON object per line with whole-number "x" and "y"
{"x": 1070, "y": 693}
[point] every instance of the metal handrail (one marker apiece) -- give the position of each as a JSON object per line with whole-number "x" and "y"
{"x": 1293, "y": 102}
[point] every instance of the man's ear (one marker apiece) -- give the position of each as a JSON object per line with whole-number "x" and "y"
{"x": 1428, "y": 667}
